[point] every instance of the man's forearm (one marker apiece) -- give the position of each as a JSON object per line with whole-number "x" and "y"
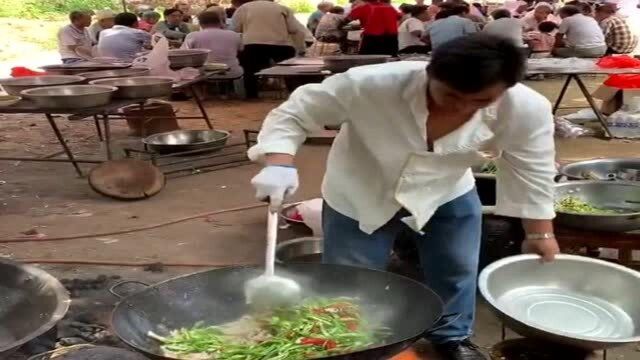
{"x": 278, "y": 159}
{"x": 534, "y": 227}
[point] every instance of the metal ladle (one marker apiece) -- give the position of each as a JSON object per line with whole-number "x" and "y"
{"x": 268, "y": 290}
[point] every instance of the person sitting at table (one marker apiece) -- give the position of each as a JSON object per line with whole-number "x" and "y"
{"x": 74, "y": 43}
{"x": 172, "y": 27}
{"x": 329, "y": 35}
{"x": 411, "y": 32}
{"x": 124, "y": 40}
{"x": 541, "y": 42}
{"x": 617, "y": 34}
{"x": 505, "y": 26}
{"x": 543, "y": 11}
{"x": 450, "y": 24}
{"x": 578, "y": 35}
{"x": 148, "y": 20}
{"x": 315, "y": 17}
{"x": 223, "y": 44}
{"x": 104, "y": 20}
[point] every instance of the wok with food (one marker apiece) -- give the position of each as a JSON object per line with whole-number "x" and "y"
{"x": 347, "y": 313}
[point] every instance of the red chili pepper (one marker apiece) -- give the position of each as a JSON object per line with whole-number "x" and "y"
{"x": 327, "y": 344}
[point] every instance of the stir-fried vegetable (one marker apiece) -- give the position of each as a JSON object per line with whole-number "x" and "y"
{"x": 489, "y": 168}
{"x": 572, "y": 204}
{"x": 315, "y": 328}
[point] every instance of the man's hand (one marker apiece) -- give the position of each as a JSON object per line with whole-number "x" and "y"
{"x": 275, "y": 182}
{"x": 547, "y": 248}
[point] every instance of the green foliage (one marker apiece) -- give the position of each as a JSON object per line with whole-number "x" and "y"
{"x": 299, "y": 6}
{"x": 38, "y": 9}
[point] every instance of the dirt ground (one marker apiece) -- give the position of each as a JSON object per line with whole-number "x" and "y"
{"x": 50, "y": 199}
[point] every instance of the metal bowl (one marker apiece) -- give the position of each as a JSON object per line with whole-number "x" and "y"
{"x": 187, "y": 140}
{"x": 181, "y": 58}
{"x": 31, "y": 303}
{"x": 14, "y": 86}
{"x": 138, "y": 87}
{"x": 108, "y": 74}
{"x": 606, "y": 195}
{"x": 579, "y": 301}
{"x": 304, "y": 249}
{"x": 70, "y": 96}
{"x": 342, "y": 63}
{"x": 603, "y": 169}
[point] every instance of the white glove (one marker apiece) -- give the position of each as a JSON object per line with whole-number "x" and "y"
{"x": 275, "y": 182}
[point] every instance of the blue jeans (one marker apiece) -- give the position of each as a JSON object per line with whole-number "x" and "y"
{"x": 449, "y": 250}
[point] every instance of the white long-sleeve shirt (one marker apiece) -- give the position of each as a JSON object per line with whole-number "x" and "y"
{"x": 379, "y": 161}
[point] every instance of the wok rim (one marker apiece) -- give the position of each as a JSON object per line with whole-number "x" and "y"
{"x": 598, "y": 182}
{"x": 112, "y": 81}
{"x": 148, "y": 140}
{"x": 486, "y": 294}
{"x": 29, "y": 92}
{"x": 62, "y": 295}
{"x": 411, "y": 339}
{"x": 563, "y": 168}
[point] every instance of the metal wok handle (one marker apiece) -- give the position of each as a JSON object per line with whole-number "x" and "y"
{"x": 113, "y": 289}
{"x": 454, "y": 317}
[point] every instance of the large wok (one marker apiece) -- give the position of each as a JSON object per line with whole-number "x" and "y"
{"x": 31, "y": 303}
{"x": 406, "y": 307}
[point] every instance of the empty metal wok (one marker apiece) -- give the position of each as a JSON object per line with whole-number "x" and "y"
{"x": 406, "y": 307}
{"x": 588, "y": 303}
{"x": 621, "y": 196}
{"x": 31, "y": 303}
{"x": 187, "y": 140}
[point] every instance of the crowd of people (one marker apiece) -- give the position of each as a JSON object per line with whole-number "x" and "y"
{"x": 250, "y": 35}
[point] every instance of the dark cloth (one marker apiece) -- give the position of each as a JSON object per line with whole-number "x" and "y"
{"x": 256, "y": 57}
{"x": 415, "y": 49}
{"x": 379, "y": 45}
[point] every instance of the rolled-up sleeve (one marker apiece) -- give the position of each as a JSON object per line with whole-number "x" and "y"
{"x": 309, "y": 109}
{"x": 526, "y": 169}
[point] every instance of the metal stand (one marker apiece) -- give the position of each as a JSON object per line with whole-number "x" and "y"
{"x": 198, "y": 101}
{"x": 52, "y": 122}
{"x": 587, "y": 96}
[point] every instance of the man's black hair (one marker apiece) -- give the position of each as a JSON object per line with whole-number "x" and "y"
{"x": 547, "y": 26}
{"x": 209, "y": 18}
{"x": 569, "y": 10}
{"x": 77, "y": 15}
{"x": 337, "y": 10}
{"x": 405, "y": 8}
{"x": 417, "y": 10}
{"x": 472, "y": 63}
{"x": 500, "y": 13}
{"x": 170, "y": 11}
{"x": 125, "y": 19}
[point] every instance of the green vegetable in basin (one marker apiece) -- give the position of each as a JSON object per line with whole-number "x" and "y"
{"x": 572, "y": 204}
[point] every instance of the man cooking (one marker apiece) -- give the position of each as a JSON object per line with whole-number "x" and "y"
{"x": 409, "y": 135}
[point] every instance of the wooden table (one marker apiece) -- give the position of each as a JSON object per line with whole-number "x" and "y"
{"x": 571, "y": 240}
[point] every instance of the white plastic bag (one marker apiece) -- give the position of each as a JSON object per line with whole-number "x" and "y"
{"x": 158, "y": 59}
{"x": 311, "y": 213}
{"x": 625, "y": 123}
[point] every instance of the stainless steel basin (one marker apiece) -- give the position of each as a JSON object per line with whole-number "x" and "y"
{"x": 70, "y": 96}
{"x": 107, "y": 74}
{"x": 601, "y": 169}
{"x": 606, "y": 195}
{"x": 575, "y": 300}
{"x": 304, "y": 249}
{"x": 14, "y": 86}
{"x": 180, "y": 58}
{"x": 138, "y": 87}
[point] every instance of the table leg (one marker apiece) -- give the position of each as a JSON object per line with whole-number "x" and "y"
{"x": 52, "y": 122}
{"x": 562, "y": 92}
{"x": 203, "y": 111}
{"x": 107, "y": 135}
{"x": 592, "y": 103}
{"x": 98, "y": 130}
